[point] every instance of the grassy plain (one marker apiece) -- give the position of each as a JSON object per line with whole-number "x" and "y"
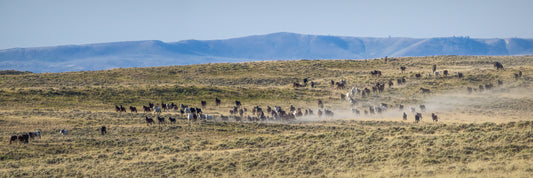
{"x": 483, "y": 134}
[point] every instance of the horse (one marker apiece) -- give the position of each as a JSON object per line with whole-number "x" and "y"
{"x": 296, "y": 84}
{"x": 103, "y": 130}
{"x": 418, "y": 75}
{"x": 13, "y": 138}
{"x": 157, "y": 109}
{"x": 423, "y": 107}
{"x": 147, "y": 109}
{"x": 355, "y": 90}
{"x": 149, "y": 121}
{"x": 37, "y": 133}
{"x": 238, "y": 103}
{"x": 460, "y": 75}
{"x": 63, "y": 132}
{"x": 191, "y": 117}
{"x": 204, "y": 103}
{"x": 339, "y": 85}
{"x": 224, "y": 118}
{"x": 356, "y": 111}
{"x": 198, "y": 110}
{"x": 161, "y": 120}
{"x": 375, "y": 73}
{"x": 172, "y": 120}
{"x": 418, "y": 116}
{"x": 217, "y": 102}
{"x": 32, "y": 135}
{"x": 425, "y": 90}
{"x": 133, "y": 109}
{"x": 435, "y": 117}
{"x": 24, "y": 138}
{"x": 328, "y": 112}
{"x": 498, "y": 65}
{"x": 403, "y": 68}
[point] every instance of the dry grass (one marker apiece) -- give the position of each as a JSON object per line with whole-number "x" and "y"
{"x": 483, "y": 134}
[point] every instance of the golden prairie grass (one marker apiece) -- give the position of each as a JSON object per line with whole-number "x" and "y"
{"x": 483, "y": 134}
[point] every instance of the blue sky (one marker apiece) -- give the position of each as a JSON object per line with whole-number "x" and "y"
{"x": 35, "y": 23}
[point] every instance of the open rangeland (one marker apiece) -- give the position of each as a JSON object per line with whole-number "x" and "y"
{"x": 482, "y": 124}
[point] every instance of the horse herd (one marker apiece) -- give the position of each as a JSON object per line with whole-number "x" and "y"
{"x": 240, "y": 113}
{"x": 237, "y": 113}
{"x": 27, "y": 136}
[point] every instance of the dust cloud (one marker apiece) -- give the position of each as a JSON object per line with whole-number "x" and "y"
{"x": 498, "y": 105}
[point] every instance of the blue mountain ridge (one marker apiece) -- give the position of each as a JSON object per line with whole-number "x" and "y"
{"x": 276, "y": 46}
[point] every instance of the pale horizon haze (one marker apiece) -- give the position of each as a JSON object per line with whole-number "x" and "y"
{"x": 37, "y": 23}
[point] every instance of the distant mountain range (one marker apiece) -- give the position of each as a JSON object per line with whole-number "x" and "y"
{"x": 276, "y": 46}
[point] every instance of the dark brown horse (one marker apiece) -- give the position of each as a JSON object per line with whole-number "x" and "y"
{"x": 149, "y": 121}
{"x": 339, "y": 85}
{"x": 435, "y": 117}
{"x": 375, "y": 73}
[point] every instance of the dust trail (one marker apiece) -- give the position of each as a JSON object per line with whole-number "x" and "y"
{"x": 495, "y": 105}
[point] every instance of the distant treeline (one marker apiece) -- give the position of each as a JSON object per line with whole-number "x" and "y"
{"x": 13, "y": 72}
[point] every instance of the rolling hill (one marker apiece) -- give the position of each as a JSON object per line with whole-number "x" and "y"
{"x": 276, "y": 46}
{"x": 484, "y": 133}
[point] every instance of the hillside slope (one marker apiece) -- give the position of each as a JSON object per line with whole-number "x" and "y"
{"x": 483, "y": 133}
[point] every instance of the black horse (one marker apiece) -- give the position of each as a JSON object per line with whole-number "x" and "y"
{"x": 103, "y": 130}
{"x": 498, "y": 65}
